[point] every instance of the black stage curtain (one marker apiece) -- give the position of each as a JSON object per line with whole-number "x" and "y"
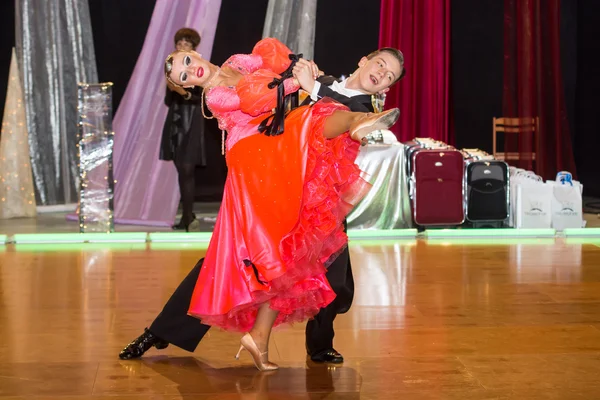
{"x": 587, "y": 95}
{"x": 345, "y": 31}
{"x": 7, "y": 42}
{"x": 119, "y": 31}
{"x": 476, "y": 64}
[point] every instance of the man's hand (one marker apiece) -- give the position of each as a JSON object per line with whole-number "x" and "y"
{"x": 306, "y": 72}
{"x": 177, "y": 89}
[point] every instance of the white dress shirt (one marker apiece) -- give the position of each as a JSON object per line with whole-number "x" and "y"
{"x": 339, "y": 87}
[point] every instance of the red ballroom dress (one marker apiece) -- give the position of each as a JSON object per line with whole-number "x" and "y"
{"x": 284, "y": 202}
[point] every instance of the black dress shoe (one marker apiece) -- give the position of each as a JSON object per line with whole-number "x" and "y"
{"x": 142, "y": 344}
{"x": 328, "y": 356}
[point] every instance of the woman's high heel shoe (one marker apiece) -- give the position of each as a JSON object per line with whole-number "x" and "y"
{"x": 260, "y": 359}
{"x": 373, "y": 122}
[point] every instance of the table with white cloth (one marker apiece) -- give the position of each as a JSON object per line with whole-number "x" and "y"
{"x": 387, "y": 204}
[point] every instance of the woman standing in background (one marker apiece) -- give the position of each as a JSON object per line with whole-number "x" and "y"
{"x": 183, "y": 134}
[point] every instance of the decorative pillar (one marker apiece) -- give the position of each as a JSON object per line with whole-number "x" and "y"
{"x": 95, "y": 147}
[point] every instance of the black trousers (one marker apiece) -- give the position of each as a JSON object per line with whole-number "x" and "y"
{"x": 175, "y": 326}
{"x": 319, "y": 331}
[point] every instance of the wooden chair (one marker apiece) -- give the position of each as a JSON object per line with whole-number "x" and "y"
{"x": 515, "y": 126}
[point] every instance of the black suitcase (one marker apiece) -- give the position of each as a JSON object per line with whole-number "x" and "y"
{"x": 487, "y": 193}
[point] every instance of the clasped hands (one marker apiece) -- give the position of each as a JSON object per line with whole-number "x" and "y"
{"x": 305, "y": 73}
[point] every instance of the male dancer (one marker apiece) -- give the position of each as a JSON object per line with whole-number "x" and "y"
{"x": 375, "y": 74}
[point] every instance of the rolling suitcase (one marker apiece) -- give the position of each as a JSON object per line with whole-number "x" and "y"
{"x": 438, "y": 187}
{"x": 410, "y": 148}
{"x": 488, "y": 198}
{"x": 415, "y": 145}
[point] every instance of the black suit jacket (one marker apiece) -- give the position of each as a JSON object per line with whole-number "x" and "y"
{"x": 360, "y": 103}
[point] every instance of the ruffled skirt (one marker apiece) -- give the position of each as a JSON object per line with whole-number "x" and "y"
{"x": 280, "y": 223}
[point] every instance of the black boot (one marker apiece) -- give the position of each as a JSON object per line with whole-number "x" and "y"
{"x": 185, "y": 224}
{"x": 142, "y": 344}
{"x": 194, "y": 225}
{"x": 179, "y": 226}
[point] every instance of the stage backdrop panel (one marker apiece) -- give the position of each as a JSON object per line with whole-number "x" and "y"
{"x": 146, "y": 191}
{"x": 56, "y": 52}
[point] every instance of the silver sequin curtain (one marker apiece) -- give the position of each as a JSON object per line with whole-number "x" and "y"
{"x": 293, "y": 23}
{"x": 56, "y": 52}
{"x": 387, "y": 205}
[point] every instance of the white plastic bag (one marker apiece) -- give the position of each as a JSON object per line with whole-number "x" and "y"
{"x": 567, "y": 205}
{"x": 531, "y": 200}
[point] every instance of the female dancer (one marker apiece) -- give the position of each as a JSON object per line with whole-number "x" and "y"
{"x": 286, "y": 195}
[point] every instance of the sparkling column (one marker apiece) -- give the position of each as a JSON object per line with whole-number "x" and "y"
{"x": 95, "y": 147}
{"x": 17, "y": 198}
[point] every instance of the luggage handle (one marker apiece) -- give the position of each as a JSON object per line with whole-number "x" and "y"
{"x": 488, "y": 192}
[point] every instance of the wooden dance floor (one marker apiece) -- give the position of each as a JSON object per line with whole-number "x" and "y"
{"x": 431, "y": 320}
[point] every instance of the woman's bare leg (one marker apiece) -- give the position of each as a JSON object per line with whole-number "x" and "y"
{"x": 256, "y": 342}
{"x": 261, "y": 331}
{"x": 340, "y": 122}
{"x": 359, "y": 124}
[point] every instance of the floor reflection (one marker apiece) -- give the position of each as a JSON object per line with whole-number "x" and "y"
{"x": 192, "y": 377}
{"x": 553, "y": 262}
{"x": 385, "y": 268}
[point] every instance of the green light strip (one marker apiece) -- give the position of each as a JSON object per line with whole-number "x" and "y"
{"x": 357, "y": 234}
{"x": 48, "y": 238}
{"x": 132, "y": 237}
{"x": 587, "y": 232}
{"x": 195, "y": 246}
{"x": 582, "y": 240}
{"x": 384, "y": 242}
{"x": 503, "y": 241}
{"x": 78, "y": 247}
{"x": 202, "y": 246}
{"x": 80, "y": 237}
{"x": 500, "y": 233}
{"x": 354, "y": 235}
{"x": 180, "y": 236}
